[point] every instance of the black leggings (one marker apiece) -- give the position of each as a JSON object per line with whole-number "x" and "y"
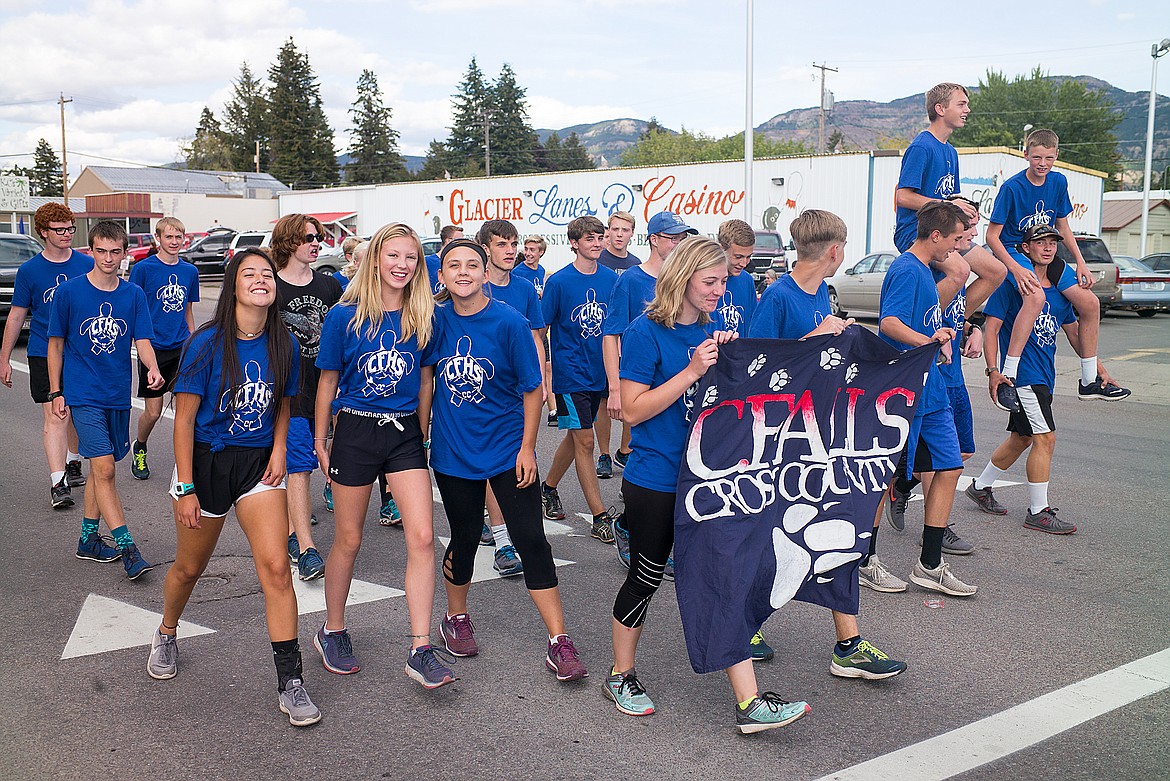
{"x": 650, "y": 522}
{"x": 463, "y": 500}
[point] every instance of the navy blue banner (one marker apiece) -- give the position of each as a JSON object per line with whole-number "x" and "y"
{"x": 792, "y": 444}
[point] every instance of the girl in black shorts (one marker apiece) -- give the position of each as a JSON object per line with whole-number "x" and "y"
{"x": 372, "y": 379}
{"x": 232, "y": 393}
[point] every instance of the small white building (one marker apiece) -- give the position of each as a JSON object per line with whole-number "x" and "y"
{"x": 1121, "y": 222}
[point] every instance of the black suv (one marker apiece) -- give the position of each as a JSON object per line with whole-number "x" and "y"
{"x": 15, "y": 249}
{"x": 209, "y": 254}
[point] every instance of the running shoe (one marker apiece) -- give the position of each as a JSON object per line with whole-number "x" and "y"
{"x": 73, "y": 475}
{"x": 485, "y": 535}
{"x": 61, "y": 497}
{"x": 940, "y": 579}
{"x": 621, "y": 540}
{"x": 458, "y": 635}
{"x": 164, "y": 656}
{"x": 867, "y": 662}
{"x": 309, "y": 565}
{"x": 668, "y": 570}
{"x": 768, "y": 711}
{"x": 953, "y": 543}
{"x": 389, "y": 514}
{"x": 1046, "y": 521}
{"x": 425, "y": 666}
{"x": 985, "y": 499}
{"x": 627, "y": 694}
{"x": 327, "y": 495}
{"x": 1007, "y": 399}
{"x": 294, "y": 701}
{"x": 603, "y": 527}
{"x": 875, "y": 576}
{"x": 604, "y": 467}
{"x": 759, "y": 648}
{"x": 138, "y": 468}
{"x": 1101, "y": 391}
{"x": 552, "y": 420}
{"x": 564, "y": 660}
{"x": 896, "y": 502}
{"x": 95, "y": 547}
{"x": 551, "y": 502}
{"x": 133, "y": 562}
{"x": 621, "y": 457}
{"x": 294, "y": 548}
{"x": 507, "y": 563}
{"x": 336, "y": 651}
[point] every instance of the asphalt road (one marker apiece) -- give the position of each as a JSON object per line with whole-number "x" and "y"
{"x": 1051, "y": 611}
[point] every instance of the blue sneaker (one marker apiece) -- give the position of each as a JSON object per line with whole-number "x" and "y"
{"x": 294, "y": 548}
{"x": 327, "y": 494}
{"x": 94, "y": 547}
{"x": 620, "y": 458}
{"x": 668, "y": 570}
{"x": 134, "y": 563}
{"x": 768, "y": 711}
{"x": 336, "y": 651}
{"x": 309, "y": 565}
{"x": 760, "y": 650}
{"x": 507, "y": 563}
{"x": 627, "y": 694}
{"x": 621, "y": 539}
{"x": 485, "y": 535}
{"x": 867, "y": 661}
{"x": 425, "y": 666}
{"x": 389, "y": 514}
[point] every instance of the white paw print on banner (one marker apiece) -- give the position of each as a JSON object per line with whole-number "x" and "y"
{"x": 827, "y": 545}
{"x": 831, "y": 358}
{"x": 851, "y": 373}
{"x": 757, "y": 364}
{"x": 779, "y": 379}
{"x": 710, "y": 397}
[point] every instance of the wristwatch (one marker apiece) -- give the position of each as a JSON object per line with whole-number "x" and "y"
{"x": 989, "y": 370}
{"x": 179, "y": 490}
{"x": 55, "y": 395}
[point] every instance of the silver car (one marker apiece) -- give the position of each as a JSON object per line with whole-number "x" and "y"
{"x": 1143, "y": 290}
{"x": 856, "y": 288}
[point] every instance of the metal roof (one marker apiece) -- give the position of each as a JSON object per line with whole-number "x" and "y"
{"x": 1115, "y": 215}
{"x": 172, "y": 180}
{"x": 76, "y": 205}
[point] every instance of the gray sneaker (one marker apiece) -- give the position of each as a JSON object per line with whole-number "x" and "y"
{"x": 896, "y": 502}
{"x": 1046, "y": 521}
{"x": 953, "y": 543}
{"x": 603, "y": 527}
{"x": 294, "y": 701}
{"x": 940, "y": 579}
{"x": 985, "y": 499}
{"x": 877, "y": 577}
{"x": 164, "y": 656}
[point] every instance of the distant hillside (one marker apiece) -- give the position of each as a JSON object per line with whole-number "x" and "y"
{"x": 413, "y": 162}
{"x": 605, "y": 141}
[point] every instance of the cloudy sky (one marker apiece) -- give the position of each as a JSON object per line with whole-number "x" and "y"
{"x": 140, "y": 71}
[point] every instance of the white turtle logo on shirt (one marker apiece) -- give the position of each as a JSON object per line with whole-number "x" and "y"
{"x": 590, "y": 315}
{"x": 385, "y": 367}
{"x": 1046, "y": 326}
{"x": 61, "y": 279}
{"x": 933, "y": 318}
{"x": 172, "y": 295}
{"x": 465, "y": 374}
{"x": 103, "y": 331}
{"x": 248, "y": 401}
{"x": 956, "y": 311}
{"x": 1039, "y": 217}
{"x": 945, "y": 185}
{"x": 732, "y": 315}
{"x": 539, "y": 285}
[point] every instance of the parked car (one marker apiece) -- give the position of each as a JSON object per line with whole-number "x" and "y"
{"x": 329, "y": 260}
{"x": 768, "y": 253}
{"x": 1159, "y": 261}
{"x": 1143, "y": 290}
{"x": 1101, "y": 266}
{"x": 209, "y": 254}
{"x": 15, "y": 249}
{"x": 856, "y": 287}
{"x": 141, "y": 245}
{"x": 431, "y": 245}
{"x": 246, "y": 239}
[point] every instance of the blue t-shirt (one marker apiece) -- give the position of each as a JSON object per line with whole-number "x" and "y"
{"x": 533, "y": 275}
{"x": 1019, "y": 205}
{"x": 930, "y": 168}
{"x": 1038, "y": 361}
{"x": 484, "y": 364}
{"x": 521, "y": 296}
{"x": 954, "y": 315}
{"x": 242, "y": 415}
{"x": 342, "y": 280}
{"x": 36, "y": 280}
{"x": 787, "y": 312}
{"x": 633, "y": 291}
{"x": 909, "y": 294}
{"x": 169, "y": 289}
{"x": 738, "y": 304}
{"x": 377, "y": 375}
{"x": 616, "y": 264}
{"x": 574, "y": 307}
{"x": 651, "y": 355}
{"x": 433, "y": 266}
{"x": 98, "y": 327}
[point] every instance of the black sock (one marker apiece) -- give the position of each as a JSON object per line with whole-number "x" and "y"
{"x": 601, "y": 516}
{"x": 288, "y": 662}
{"x": 932, "y": 538}
{"x": 544, "y": 488}
{"x": 847, "y": 647}
{"x": 905, "y": 486}
{"x": 872, "y": 548}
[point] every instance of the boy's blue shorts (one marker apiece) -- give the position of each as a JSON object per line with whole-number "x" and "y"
{"x": 933, "y": 444}
{"x": 299, "y": 453}
{"x": 964, "y": 425}
{"x": 102, "y": 432}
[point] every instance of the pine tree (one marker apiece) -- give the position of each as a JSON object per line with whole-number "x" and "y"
{"x": 246, "y": 122}
{"x": 437, "y": 163}
{"x": 301, "y": 141}
{"x": 548, "y": 154}
{"x": 373, "y": 148}
{"x": 573, "y": 155}
{"x": 45, "y": 175}
{"x": 465, "y": 144}
{"x": 513, "y": 141}
{"x": 209, "y": 149}
{"x": 651, "y": 128}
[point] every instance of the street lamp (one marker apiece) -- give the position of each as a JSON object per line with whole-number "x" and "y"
{"x": 1024, "y": 141}
{"x": 1156, "y": 51}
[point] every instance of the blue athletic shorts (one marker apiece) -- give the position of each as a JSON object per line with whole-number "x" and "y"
{"x": 1066, "y": 276}
{"x": 578, "y": 410}
{"x": 102, "y": 432}
{"x": 964, "y": 426}
{"x": 300, "y": 455}
{"x": 933, "y": 444}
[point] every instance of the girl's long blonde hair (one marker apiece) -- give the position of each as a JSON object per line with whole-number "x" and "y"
{"x": 365, "y": 290}
{"x": 695, "y": 253}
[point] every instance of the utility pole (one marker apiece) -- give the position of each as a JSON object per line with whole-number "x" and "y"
{"x": 821, "y": 136}
{"x": 257, "y": 157}
{"x": 64, "y": 160}
{"x": 748, "y": 129}
{"x": 486, "y": 113}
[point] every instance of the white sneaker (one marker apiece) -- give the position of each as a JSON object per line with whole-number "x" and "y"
{"x": 940, "y": 579}
{"x": 877, "y": 577}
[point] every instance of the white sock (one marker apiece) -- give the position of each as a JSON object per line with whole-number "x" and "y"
{"x": 1037, "y": 497}
{"x": 1011, "y": 366}
{"x": 329, "y": 631}
{"x": 500, "y": 533}
{"x": 1088, "y": 370}
{"x": 553, "y": 640}
{"x": 989, "y": 475}
{"x": 71, "y": 456}
{"x": 55, "y": 477}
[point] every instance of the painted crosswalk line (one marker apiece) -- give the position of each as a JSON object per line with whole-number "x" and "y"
{"x": 485, "y": 558}
{"x": 106, "y": 624}
{"x": 311, "y": 593}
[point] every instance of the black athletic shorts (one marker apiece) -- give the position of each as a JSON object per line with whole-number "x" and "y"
{"x": 222, "y": 479}
{"x": 1035, "y": 415}
{"x": 365, "y": 447}
{"x": 38, "y": 378}
{"x": 168, "y": 366}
